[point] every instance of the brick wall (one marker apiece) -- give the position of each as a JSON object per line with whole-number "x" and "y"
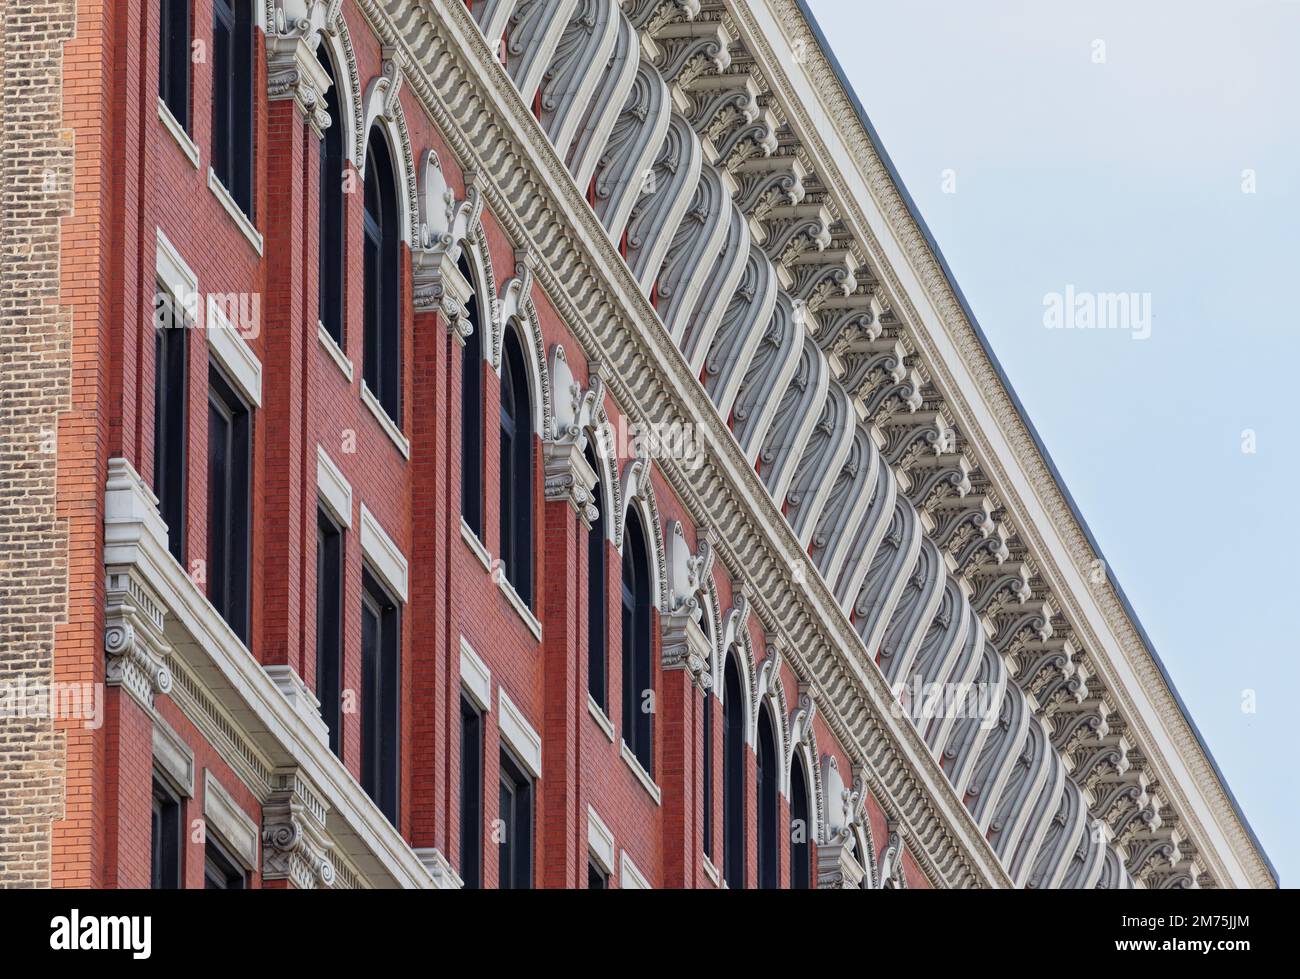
{"x": 94, "y": 362}
{"x": 35, "y": 388}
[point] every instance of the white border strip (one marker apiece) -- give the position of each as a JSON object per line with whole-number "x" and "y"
{"x": 475, "y": 677}
{"x": 332, "y": 488}
{"x": 231, "y": 823}
{"x": 600, "y": 841}
{"x": 519, "y": 734}
{"x": 232, "y": 352}
{"x": 384, "y": 557}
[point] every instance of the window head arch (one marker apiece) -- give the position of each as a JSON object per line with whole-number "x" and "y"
{"x": 383, "y": 233}
{"x": 516, "y": 487}
{"x": 638, "y": 672}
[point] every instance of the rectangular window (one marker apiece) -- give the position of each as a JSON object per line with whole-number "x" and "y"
{"x": 471, "y": 794}
{"x": 170, "y": 431}
{"x": 220, "y": 872}
{"x": 232, "y": 99}
{"x": 380, "y": 645}
{"x": 329, "y": 622}
{"x": 515, "y": 858}
{"x": 165, "y": 865}
{"x": 174, "y": 59}
{"x": 597, "y": 879}
{"x": 230, "y": 441}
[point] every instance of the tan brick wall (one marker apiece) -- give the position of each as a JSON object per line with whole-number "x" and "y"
{"x": 35, "y": 384}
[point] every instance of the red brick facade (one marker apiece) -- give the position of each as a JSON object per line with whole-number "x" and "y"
{"x": 134, "y": 179}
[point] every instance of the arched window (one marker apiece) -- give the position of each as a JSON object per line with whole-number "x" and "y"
{"x": 706, "y": 748}
{"x": 383, "y": 340}
{"x": 800, "y": 827}
{"x": 516, "y": 469}
{"x": 733, "y": 776}
{"x": 332, "y": 236}
{"x": 638, "y": 681}
{"x": 769, "y": 806}
{"x": 471, "y": 414}
{"x": 597, "y": 683}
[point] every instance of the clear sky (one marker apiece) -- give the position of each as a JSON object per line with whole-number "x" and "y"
{"x": 1042, "y": 159}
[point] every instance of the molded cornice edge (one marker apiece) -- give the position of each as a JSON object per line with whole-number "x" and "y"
{"x": 949, "y": 343}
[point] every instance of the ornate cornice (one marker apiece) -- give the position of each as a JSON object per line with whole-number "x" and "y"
{"x": 491, "y": 129}
{"x": 1010, "y": 457}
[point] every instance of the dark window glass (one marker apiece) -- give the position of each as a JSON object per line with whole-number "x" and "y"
{"x": 597, "y": 879}
{"x": 166, "y": 836}
{"x": 471, "y": 416}
{"x": 515, "y": 858}
{"x": 230, "y": 442}
{"x": 516, "y": 470}
{"x": 383, "y": 329}
{"x": 232, "y": 99}
{"x": 733, "y": 777}
{"x": 800, "y": 855}
{"x": 220, "y": 872}
{"x": 332, "y": 210}
{"x": 638, "y": 680}
{"x": 769, "y": 871}
{"x": 471, "y": 794}
{"x": 170, "y": 411}
{"x": 380, "y": 645}
{"x": 707, "y": 767}
{"x": 174, "y": 58}
{"x": 329, "y": 623}
{"x": 597, "y": 683}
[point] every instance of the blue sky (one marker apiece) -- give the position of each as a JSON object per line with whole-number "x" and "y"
{"x": 1126, "y": 175}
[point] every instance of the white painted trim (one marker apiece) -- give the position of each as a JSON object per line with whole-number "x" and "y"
{"x": 440, "y": 869}
{"x": 173, "y": 126}
{"x": 630, "y": 878}
{"x": 641, "y": 774}
{"x": 300, "y": 698}
{"x": 475, "y": 677}
{"x": 233, "y": 353}
{"x": 172, "y": 757}
{"x": 518, "y": 605}
{"x": 175, "y": 274}
{"x": 332, "y": 489}
{"x": 236, "y": 213}
{"x": 135, "y": 542}
{"x": 384, "y": 557}
{"x": 601, "y": 718}
{"x": 600, "y": 841}
{"x": 387, "y": 424}
{"x": 234, "y": 826}
{"x": 334, "y": 350}
{"x": 516, "y": 732}
{"x": 475, "y": 545}
{"x": 711, "y": 871}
